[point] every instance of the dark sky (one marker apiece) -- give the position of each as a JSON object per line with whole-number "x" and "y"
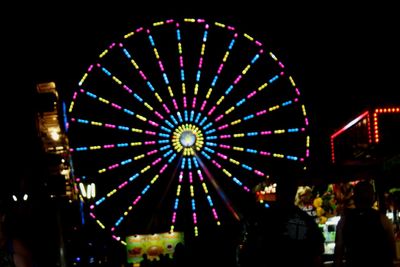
{"x": 343, "y": 58}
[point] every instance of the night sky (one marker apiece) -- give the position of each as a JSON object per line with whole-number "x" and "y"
{"x": 343, "y": 58}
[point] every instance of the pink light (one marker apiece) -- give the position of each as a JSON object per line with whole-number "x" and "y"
{"x": 139, "y": 29}
{"x": 219, "y": 117}
{"x": 201, "y": 20}
{"x": 224, "y": 136}
{"x": 163, "y": 168}
{"x": 216, "y": 164}
{"x": 194, "y": 102}
{"x": 181, "y": 61}
{"x": 169, "y": 21}
{"x": 258, "y": 43}
{"x": 190, "y": 177}
{"x": 156, "y": 162}
{"x": 122, "y": 185}
{"x": 75, "y": 95}
{"x": 215, "y": 213}
{"x": 194, "y": 218}
{"x": 220, "y": 68}
{"x": 153, "y": 123}
{"x": 109, "y": 146}
{"x": 231, "y": 29}
{"x": 110, "y": 125}
{"x": 127, "y": 88}
{"x": 297, "y": 91}
{"x": 281, "y": 65}
{"x": 143, "y": 76}
{"x": 261, "y": 112}
{"x": 175, "y": 104}
{"x": 136, "y": 200}
{"x": 259, "y": 173}
{"x": 112, "y": 45}
{"x": 151, "y": 152}
{"x": 92, "y": 215}
{"x": 264, "y": 153}
{"x": 82, "y": 91}
{"x": 200, "y": 175}
{"x": 159, "y": 115}
{"x": 113, "y": 166}
{"x": 161, "y": 65}
{"x": 184, "y": 101}
{"x": 173, "y": 217}
{"x": 211, "y": 110}
{"x": 225, "y": 146}
{"x": 150, "y": 132}
{"x": 251, "y": 94}
{"x": 237, "y": 79}
{"x": 246, "y": 188}
{"x": 90, "y": 68}
{"x": 223, "y": 127}
{"x": 200, "y": 62}
{"x": 116, "y": 106}
{"x": 203, "y": 105}
{"x": 222, "y": 156}
{"x": 166, "y": 108}
{"x": 266, "y": 132}
{"x": 150, "y": 142}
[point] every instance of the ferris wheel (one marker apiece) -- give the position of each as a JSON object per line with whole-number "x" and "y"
{"x": 178, "y": 122}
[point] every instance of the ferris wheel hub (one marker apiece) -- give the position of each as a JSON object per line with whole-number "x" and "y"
{"x": 187, "y": 139}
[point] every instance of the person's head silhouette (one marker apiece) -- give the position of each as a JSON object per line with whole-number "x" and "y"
{"x": 363, "y": 194}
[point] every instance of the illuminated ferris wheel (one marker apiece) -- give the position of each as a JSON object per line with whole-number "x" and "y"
{"x": 177, "y": 123}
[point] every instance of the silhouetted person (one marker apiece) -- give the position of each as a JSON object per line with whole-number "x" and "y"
{"x": 364, "y": 235}
{"x": 281, "y": 235}
{"x": 13, "y": 252}
{"x": 179, "y": 259}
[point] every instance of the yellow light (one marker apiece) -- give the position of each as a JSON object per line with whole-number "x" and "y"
{"x": 104, "y": 100}
{"x": 246, "y": 69}
{"x": 116, "y": 80}
{"x": 262, "y": 86}
{"x": 148, "y": 106}
{"x": 248, "y": 37}
{"x": 134, "y": 64}
{"x": 229, "y": 110}
{"x": 140, "y": 117}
